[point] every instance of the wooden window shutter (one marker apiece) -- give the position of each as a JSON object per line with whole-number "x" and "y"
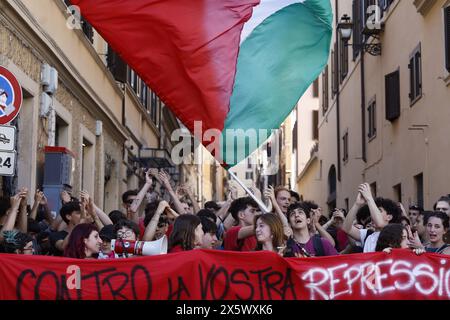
{"x": 392, "y": 84}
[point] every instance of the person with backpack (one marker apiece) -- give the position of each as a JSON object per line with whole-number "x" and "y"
{"x": 301, "y": 243}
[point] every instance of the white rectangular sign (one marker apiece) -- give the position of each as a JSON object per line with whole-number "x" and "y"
{"x": 7, "y": 163}
{"x": 7, "y": 138}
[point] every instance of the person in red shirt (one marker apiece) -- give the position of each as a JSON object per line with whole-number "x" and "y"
{"x": 242, "y": 237}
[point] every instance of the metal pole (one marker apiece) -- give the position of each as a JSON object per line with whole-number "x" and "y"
{"x": 258, "y": 201}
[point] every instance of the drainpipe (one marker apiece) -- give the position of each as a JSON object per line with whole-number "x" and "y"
{"x": 363, "y": 106}
{"x": 338, "y": 116}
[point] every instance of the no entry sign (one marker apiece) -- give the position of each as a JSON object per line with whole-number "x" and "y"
{"x": 10, "y": 96}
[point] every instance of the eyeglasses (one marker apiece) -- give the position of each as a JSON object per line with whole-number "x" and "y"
{"x": 122, "y": 234}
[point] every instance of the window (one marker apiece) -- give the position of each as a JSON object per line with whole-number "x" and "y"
{"x": 334, "y": 71}
{"x": 315, "y": 122}
{"x": 357, "y": 36}
{"x": 154, "y": 108}
{"x": 415, "y": 74}
{"x": 332, "y": 195}
{"x": 447, "y": 37}
{"x": 87, "y": 30}
{"x": 138, "y": 88}
{"x": 132, "y": 79}
{"x": 249, "y": 175}
{"x": 371, "y": 111}
{"x": 345, "y": 146}
{"x": 144, "y": 94}
{"x": 398, "y": 192}
{"x": 249, "y": 163}
{"x": 325, "y": 91}
{"x": 392, "y": 84}
{"x": 419, "y": 189}
{"x": 343, "y": 59}
{"x": 61, "y": 133}
{"x": 116, "y": 65}
{"x": 316, "y": 88}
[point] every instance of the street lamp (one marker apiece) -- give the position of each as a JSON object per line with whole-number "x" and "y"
{"x": 345, "y": 28}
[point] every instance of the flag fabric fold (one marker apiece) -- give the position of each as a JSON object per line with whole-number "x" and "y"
{"x": 237, "y": 66}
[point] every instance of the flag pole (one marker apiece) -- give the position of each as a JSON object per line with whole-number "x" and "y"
{"x": 258, "y": 201}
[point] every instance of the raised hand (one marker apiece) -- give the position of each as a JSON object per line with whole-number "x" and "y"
{"x": 39, "y": 196}
{"x": 164, "y": 178}
{"x": 16, "y": 199}
{"x": 148, "y": 177}
{"x": 413, "y": 239}
{"x": 360, "y": 201}
{"x": 402, "y": 208}
{"x": 24, "y": 196}
{"x": 90, "y": 208}
{"x": 154, "y": 173}
{"x": 84, "y": 196}
{"x": 269, "y": 193}
{"x": 365, "y": 191}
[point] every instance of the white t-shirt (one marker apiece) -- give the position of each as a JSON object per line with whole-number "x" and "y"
{"x": 371, "y": 242}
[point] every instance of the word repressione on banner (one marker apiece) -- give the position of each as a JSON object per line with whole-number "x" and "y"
{"x": 213, "y": 275}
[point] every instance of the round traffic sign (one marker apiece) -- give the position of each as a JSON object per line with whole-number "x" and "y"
{"x": 10, "y": 96}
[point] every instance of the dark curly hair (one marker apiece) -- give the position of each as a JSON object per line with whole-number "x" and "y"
{"x": 68, "y": 209}
{"x": 438, "y": 214}
{"x": 299, "y": 205}
{"x": 241, "y": 204}
{"x": 390, "y": 236}
{"x": 391, "y": 208}
{"x": 127, "y": 224}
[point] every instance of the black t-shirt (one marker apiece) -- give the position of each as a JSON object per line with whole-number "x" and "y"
{"x": 54, "y": 237}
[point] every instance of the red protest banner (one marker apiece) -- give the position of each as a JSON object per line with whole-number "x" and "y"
{"x": 206, "y": 274}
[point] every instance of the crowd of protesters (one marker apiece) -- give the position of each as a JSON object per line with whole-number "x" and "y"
{"x": 293, "y": 228}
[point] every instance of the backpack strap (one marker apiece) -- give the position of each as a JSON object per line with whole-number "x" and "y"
{"x": 318, "y": 245}
{"x": 441, "y": 249}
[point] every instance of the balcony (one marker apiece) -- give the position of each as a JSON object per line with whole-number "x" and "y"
{"x": 155, "y": 158}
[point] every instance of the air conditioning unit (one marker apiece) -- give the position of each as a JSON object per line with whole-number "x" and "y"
{"x": 98, "y": 128}
{"x": 49, "y": 79}
{"x": 46, "y": 105}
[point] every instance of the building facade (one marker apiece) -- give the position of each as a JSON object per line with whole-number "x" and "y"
{"x": 384, "y": 105}
{"x": 113, "y": 124}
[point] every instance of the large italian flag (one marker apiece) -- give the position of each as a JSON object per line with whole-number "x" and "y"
{"x": 236, "y": 66}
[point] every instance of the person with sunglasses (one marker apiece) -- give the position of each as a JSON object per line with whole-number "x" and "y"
{"x": 17, "y": 242}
